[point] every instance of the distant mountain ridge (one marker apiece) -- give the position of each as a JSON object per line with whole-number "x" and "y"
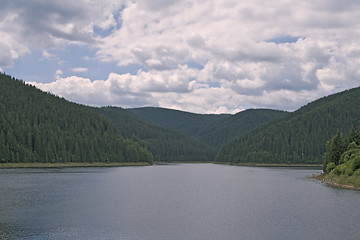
{"x": 173, "y": 135}
{"x": 211, "y": 129}
{"x": 39, "y": 127}
{"x": 164, "y": 143}
{"x": 224, "y": 130}
{"x": 185, "y": 122}
{"x": 299, "y": 137}
{"x": 55, "y": 130}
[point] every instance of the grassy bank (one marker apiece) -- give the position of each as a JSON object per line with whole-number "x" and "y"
{"x": 269, "y": 164}
{"x": 72, "y": 164}
{"x": 342, "y": 181}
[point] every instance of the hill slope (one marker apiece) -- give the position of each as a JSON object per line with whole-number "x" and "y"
{"x": 40, "y": 127}
{"x": 211, "y": 129}
{"x": 224, "y": 130}
{"x": 299, "y": 137}
{"x": 185, "y": 122}
{"x": 165, "y": 144}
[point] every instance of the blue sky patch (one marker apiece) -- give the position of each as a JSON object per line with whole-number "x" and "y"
{"x": 34, "y": 67}
{"x": 284, "y": 39}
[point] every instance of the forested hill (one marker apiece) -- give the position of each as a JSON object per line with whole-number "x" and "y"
{"x": 211, "y": 129}
{"x": 224, "y": 130}
{"x": 165, "y": 144}
{"x": 185, "y": 122}
{"x": 40, "y": 127}
{"x": 192, "y": 137}
{"x": 300, "y": 137}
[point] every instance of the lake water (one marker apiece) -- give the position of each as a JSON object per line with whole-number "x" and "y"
{"x": 185, "y": 201}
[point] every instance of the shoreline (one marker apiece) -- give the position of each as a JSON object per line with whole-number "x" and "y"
{"x": 242, "y": 164}
{"x": 184, "y": 162}
{"x": 336, "y": 181}
{"x": 134, "y": 164}
{"x": 72, "y": 164}
{"x": 268, "y": 164}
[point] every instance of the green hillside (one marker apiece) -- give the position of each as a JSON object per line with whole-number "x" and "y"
{"x": 40, "y": 127}
{"x": 224, "y": 130}
{"x": 165, "y": 144}
{"x": 185, "y": 122}
{"x": 342, "y": 161}
{"x": 211, "y": 129}
{"x": 299, "y": 137}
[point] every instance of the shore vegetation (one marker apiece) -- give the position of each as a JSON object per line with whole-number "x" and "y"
{"x": 342, "y": 161}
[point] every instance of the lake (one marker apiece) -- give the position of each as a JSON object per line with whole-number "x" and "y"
{"x": 184, "y": 201}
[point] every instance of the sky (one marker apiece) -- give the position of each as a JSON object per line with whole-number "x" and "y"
{"x": 219, "y": 56}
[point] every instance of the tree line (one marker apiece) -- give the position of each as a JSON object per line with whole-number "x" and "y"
{"x": 173, "y": 135}
{"x": 342, "y": 156}
{"x": 165, "y": 144}
{"x": 39, "y": 127}
{"x": 299, "y": 137}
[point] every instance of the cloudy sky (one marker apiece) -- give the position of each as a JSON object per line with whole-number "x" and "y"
{"x": 192, "y": 55}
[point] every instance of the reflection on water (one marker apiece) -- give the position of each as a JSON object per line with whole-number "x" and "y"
{"x": 184, "y": 201}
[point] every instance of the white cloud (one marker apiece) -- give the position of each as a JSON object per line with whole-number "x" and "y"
{"x": 162, "y": 88}
{"x": 48, "y": 55}
{"x": 58, "y": 74}
{"x": 5, "y": 57}
{"x": 51, "y": 24}
{"x": 11, "y": 46}
{"x": 96, "y": 93}
{"x": 203, "y": 56}
{"x": 229, "y": 38}
{"x": 80, "y": 69}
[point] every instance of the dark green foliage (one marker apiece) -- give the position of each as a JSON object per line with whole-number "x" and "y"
{"x": 184, "y": 122}
{"x": 173, "y": 135}
{"x": 353, "y": 137}
{"x": 223, "y": 130}
{"x": 299, "y": 137}
{"x": 36, "y": 126}
{"x": 165, "y": 144}
{"x": 349, "y": 163}
{"x": 334, "y": 149}
{"x": 342, "y": 156}
{"x": 210, "y": 129}
{"x": 40, "y": 127}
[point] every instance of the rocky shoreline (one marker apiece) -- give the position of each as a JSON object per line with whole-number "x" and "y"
{"x": 335, "y": 181}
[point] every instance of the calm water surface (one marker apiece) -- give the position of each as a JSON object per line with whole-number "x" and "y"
{"x": 186, "y": 201}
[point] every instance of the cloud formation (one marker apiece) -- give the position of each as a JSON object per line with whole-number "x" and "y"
{"x": 212, "y": 56}
{"x": 80, "y": 69}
